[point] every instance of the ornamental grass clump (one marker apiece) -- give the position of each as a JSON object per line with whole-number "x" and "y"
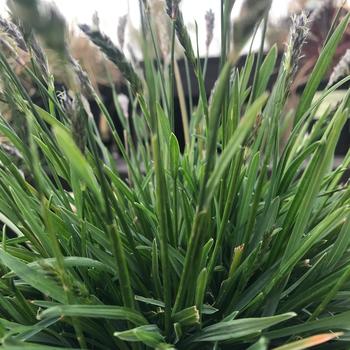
{"x": 240, "y": 241}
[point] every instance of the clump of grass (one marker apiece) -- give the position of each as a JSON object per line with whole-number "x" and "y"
{"x": 233, "y": 243}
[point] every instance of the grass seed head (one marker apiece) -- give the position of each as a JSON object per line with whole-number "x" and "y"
{"x": 175, "y": 14}
{"x": 341, "y": 70}
{"x": 96, "y": 21}
{"x": 11, "y": 29}
{"x": 121, "y": 30}
{"x": 209, "y": 22}
{"x": 298, "y": 35}
{"x": 250, "y": 15}
{"x": 115, "y": 55}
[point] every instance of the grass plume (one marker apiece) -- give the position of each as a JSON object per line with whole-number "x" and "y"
{"x": 114, "y": 55}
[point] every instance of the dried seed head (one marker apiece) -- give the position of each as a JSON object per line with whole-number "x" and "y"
{"x": 35, "y": 49}
{"x": 172, "y": 8}
{"x": 39, "y": 54}
{"x": 75, "y": 107}
{"x": 209, "y": 22}
{"x": 83, "y": 79}
{"x": 12, "y": 31}
{"x": 25, "y": 40}
{"x": 297, "y": 38}
{"x": 250, "y": 15}
{"x": 10, "y": 51}
{"x": 121, "y": 30}
{"x": 50, "y": 271}
{"x": 114, "y": 55}
{"x": 175, "y": 14}
{"x": 161, "y": 23}
{"x": 45, "y": 19}
{"x": 95, "y": 21}
{"x": 341, "y": 70}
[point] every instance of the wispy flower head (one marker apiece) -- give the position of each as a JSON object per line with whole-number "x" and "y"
{"x": 79, "y": 117}
{"x": 12, "y": 31}
{"x": 121, "y": 30}
{"x": 76, "y": 108}
{"x": 81, "y": 77}
{"x": 114, "y": 55}
{"x": 250, "y": 15}
{"x": 172, "y": 8}
{"x": 297, "y": 38}
{"x": 96, "y": 21}
{"x": 45, "y": 19}
{"x": 161, "y": 23}
{"x": 35, "y": 49}
{"x": 341, "y": 70}
{"x": 25, "y": 40}
{"x": 209, "y": 22}
{"x": 175, "y": 14}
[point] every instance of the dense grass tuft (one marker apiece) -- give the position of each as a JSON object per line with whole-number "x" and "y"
{"x": 241, "y": 241}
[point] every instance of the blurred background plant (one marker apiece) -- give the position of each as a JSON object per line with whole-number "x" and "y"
{"x": 102, "y": 73}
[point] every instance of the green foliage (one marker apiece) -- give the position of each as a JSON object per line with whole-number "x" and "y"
{"x": 240, "y": 241}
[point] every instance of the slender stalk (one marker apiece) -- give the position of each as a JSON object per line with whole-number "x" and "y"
{"x": 172, "y": 75}
{"x": 164, "y": 254}
{"x": 259, "y": 59}
{"x": 189, "y": 86}
{"x": 183, "y": 107}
